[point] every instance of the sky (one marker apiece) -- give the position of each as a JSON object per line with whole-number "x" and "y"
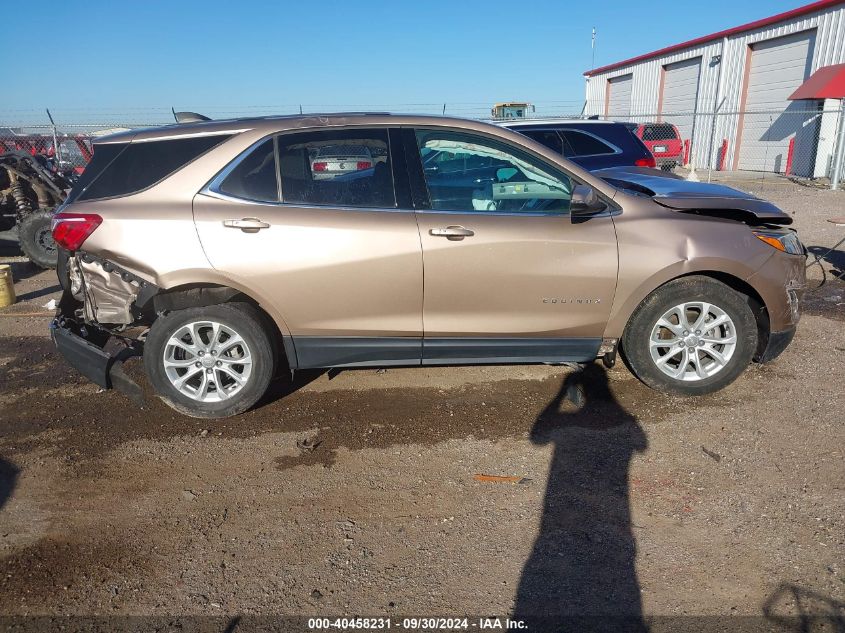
{"x": 119, "y": 60}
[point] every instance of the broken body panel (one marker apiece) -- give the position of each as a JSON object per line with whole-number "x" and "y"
{"x": 376, "y": 274}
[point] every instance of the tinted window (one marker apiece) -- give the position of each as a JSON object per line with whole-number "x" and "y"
{"x": 549, "y": 138}
{"x": 346, "y": 168}
{"x": 659, "y": 133}
{"x": 104, "y": 154}
{"x": 465, "y": 172}
{"x": 143, "y": 164}
{"x": 254, "y": 178}
{"x": 581, "y": 144}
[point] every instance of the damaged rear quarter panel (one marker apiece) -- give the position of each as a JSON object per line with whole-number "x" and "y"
{"x": 108, "y": 297}
{"x": 146, "y": 234}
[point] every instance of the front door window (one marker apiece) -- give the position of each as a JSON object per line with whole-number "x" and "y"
{"x": 466, "y": 173}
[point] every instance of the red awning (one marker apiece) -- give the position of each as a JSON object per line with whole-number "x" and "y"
{"x": 827, "y": 82}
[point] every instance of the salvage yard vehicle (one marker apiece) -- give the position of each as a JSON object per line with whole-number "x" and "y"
{"x": 30, "y": 190}
{"x": 663, "y": 140}
{"x": 333, "y": 161}
{"x": 215, "y": 250}
{"x": 590, "y": 143}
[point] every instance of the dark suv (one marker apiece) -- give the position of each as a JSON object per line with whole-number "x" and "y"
{"x": 591, "y": 144}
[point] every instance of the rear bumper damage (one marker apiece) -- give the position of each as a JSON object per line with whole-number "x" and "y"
{"x": 100, "y": 300}
{"x": 98, "y": 357}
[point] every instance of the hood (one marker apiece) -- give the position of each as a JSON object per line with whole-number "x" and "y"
{"x": 673, "y": 192}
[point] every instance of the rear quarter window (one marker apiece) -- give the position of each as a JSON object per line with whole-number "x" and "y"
{"x": 582, "y": 144}
{"x": 123, "y": 169}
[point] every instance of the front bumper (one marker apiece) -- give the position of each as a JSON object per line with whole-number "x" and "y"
{"x": 776, "y": 344}
{"x": 105, "y": 368}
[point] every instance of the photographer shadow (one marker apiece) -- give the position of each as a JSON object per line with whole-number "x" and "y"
{"x": 8, "y": 478}
{"x": 581, "y": 574}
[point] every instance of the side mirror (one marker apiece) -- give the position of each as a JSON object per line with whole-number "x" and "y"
{"x": 585, "y": 202}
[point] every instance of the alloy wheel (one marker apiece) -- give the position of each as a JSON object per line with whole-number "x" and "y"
{"x": 207, "y": 361}
{"x": 693, "y": 341}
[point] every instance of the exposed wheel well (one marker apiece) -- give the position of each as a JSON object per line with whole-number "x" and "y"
{"x": 206, "y": 294}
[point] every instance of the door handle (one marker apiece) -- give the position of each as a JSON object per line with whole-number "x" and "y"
{"x": 453, "y": 233}
{"x": 247, "y": 225}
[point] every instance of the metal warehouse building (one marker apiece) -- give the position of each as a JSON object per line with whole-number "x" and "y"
{"x": 774, "y": 85}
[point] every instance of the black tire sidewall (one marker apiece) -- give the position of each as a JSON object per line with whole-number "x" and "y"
{"x": 242, "y": 318}
{"x": 635, "y": 340}
{"x": 27, "y": 231}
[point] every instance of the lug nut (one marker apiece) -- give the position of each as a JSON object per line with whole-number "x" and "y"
{"x": 197, "y": 364}
{"x": 208, "y": 371}
{"x": 686, "y": 332}
{"x": 697, "y": 332}
{"x": 218, "y": 363}
{"x": 214, "y": 352}
{"x": 202, "y": 353}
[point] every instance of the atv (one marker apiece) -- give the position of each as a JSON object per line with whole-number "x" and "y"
{"x": 30, "y": 191}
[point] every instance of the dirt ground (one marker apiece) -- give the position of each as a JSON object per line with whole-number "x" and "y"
{"x": 356, "y": 494}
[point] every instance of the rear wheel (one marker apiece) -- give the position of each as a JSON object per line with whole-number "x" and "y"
{"x": 36, "y": 239}
{"x": 692, "y": 336}
{"x": 210, "y": 362}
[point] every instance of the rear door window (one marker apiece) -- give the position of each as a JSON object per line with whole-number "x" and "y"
{"x": 254, "y": 177}
{"x": 549, "y": 138}
{"x": 581, "y": 144}
{"x": 140, "y": 165}
{"x": 345, "y": 168}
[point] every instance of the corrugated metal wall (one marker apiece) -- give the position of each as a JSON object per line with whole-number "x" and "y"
{"x": 829, "y": 49}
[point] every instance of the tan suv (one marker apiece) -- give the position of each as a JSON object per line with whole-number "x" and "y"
{"x": 229, "y": 252}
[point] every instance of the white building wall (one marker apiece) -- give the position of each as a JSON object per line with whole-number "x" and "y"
{"x": 829, "y": 49}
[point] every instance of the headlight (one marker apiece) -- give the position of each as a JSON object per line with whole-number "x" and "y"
{"x": 786, "y": 241}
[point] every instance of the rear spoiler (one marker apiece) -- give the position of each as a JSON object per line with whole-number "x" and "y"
{"x": 188, "y": 117}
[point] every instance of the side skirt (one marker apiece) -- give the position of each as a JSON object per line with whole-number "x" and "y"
{"x": 504, "y": 351}
{"x": 314, "y": 352}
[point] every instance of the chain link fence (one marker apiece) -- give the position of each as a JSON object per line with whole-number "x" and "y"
{"x": 753, "y": 147}
{"x": 796, "y": 142}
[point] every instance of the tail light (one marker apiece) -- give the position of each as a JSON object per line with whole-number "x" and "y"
{"x": 70, "y": 230}
{"x": 645, "y": 162}
{"x": 319, "y": 166}
{"x": 364, "y": 164}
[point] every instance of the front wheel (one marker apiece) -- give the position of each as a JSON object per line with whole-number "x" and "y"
{"x": 210, "y": 362}
{"x": 692, "y": 336}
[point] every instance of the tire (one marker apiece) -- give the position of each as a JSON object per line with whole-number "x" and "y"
{"x": 36, "y": 239}
{"x": 213, "y": 383}
{"x": 733, "y": 339}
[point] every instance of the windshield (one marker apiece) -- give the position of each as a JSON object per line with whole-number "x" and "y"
{"x": 659, "y": 133}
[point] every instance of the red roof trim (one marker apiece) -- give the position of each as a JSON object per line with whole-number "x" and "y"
{"x": 780, "y": 17}
{"x": 827, "y": 82}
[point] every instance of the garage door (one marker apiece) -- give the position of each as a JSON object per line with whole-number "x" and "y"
{"x": 680, "y": 94}
{"x": 619, "y": 97}
{"x": 777, "y": 68}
